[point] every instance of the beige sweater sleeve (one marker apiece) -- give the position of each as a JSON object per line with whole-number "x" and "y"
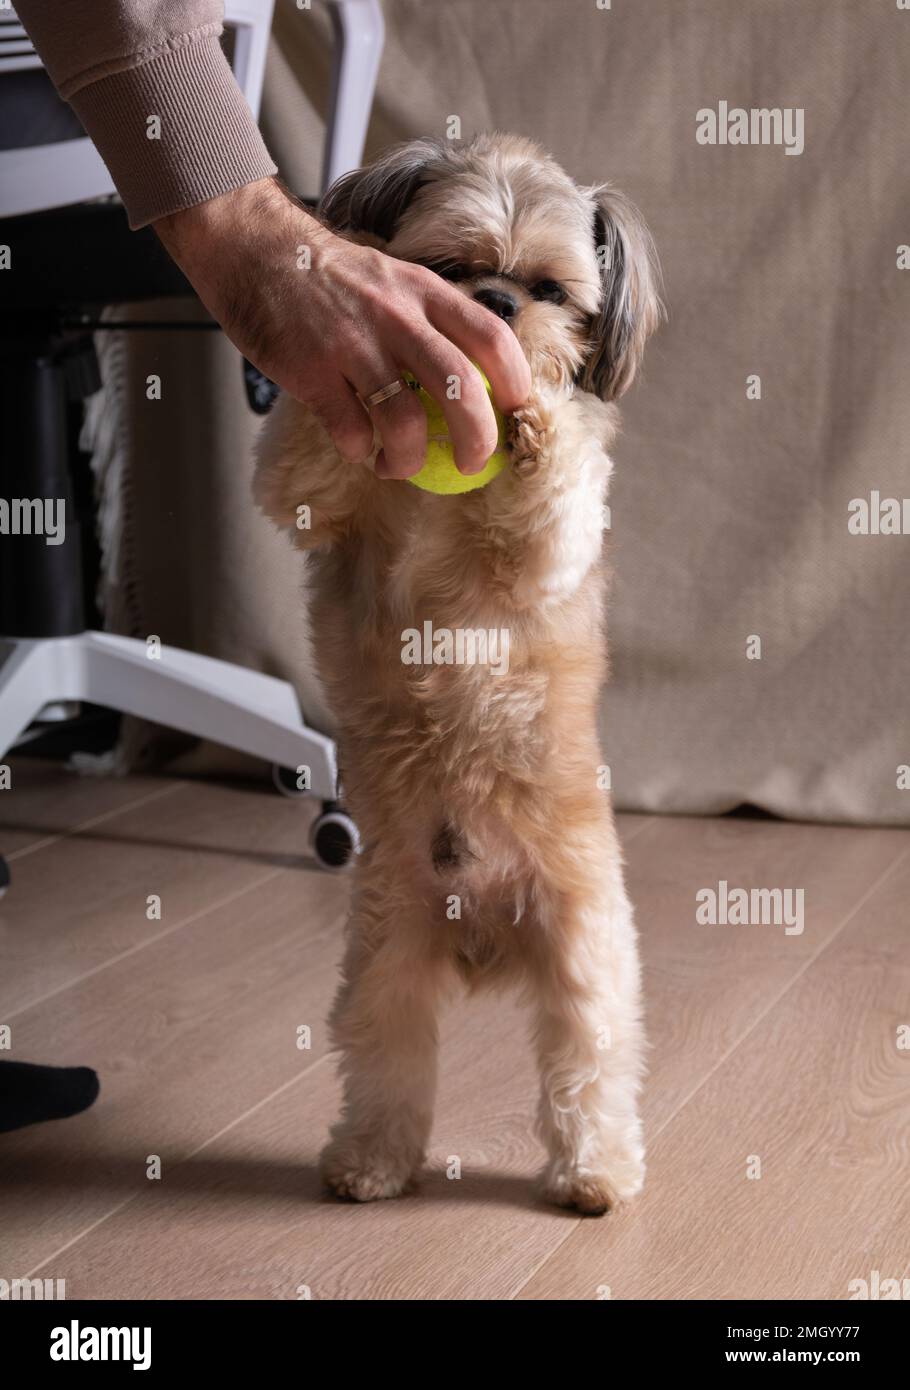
{"x": 120, "y": 63}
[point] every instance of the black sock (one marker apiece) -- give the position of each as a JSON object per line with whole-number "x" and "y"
{"x": 29, "y": 1093}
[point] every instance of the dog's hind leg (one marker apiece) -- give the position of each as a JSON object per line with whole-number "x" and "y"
{"x": 384, "y": 1022}
{"x": 589, "y": 1046}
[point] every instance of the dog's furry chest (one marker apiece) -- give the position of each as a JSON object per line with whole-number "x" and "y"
{"x": 452, "y": 682}
{"x": 464, "y": 665}
{"x": 459, "y": 647}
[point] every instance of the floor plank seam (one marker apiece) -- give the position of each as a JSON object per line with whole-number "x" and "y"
{"x": 636, "y": 831}
{"x": 150, "y": 941}
{"x": 74, "y": 830}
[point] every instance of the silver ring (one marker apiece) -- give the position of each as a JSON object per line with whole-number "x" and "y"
{"x": 384, "y": 393}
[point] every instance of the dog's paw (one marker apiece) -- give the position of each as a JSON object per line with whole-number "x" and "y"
{"x": 593, "y": 1192}
{"x": 356, "y": 1173}
{"x": 529, "y": 434}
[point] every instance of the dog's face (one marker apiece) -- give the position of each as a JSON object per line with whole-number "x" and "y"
{"x": 571, "y": 270}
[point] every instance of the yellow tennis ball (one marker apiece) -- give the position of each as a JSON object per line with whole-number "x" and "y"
{"x": 439, "y": 473}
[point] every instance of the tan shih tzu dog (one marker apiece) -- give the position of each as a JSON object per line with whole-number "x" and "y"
{"x": 489, "y": 850}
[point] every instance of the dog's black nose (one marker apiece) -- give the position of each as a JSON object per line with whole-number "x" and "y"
{"x": 499, "y": 302}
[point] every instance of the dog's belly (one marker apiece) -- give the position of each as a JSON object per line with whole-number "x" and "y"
{"x": 484, "y": 931}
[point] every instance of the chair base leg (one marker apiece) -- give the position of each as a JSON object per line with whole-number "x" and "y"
{"x": 194, "y": 694}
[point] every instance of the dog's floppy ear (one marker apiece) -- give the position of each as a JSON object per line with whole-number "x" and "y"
{"x": 630, "y": 304}
{"x": 374, "y": 199}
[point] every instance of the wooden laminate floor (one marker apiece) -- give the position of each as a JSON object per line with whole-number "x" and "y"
{"x": 777, "y": 1107}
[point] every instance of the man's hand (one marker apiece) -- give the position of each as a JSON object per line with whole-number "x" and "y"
{"x": 350, "y": 323}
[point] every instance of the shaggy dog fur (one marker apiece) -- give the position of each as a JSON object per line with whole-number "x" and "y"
{"x": 471, "y": 786}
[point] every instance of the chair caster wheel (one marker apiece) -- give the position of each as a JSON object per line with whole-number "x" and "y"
{"x": 334, "y": 839}
{"x": 4, "y": 876}
{"x": 285, "y": 780}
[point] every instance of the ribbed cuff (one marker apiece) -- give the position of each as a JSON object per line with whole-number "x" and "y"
{"x": 209, "y": 142}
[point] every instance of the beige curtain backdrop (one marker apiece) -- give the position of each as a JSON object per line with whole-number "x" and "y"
{"x": 729, "y": 515}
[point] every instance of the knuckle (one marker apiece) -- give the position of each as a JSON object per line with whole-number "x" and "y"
{"x": 479, "y": 433}
{"x": 439, "y": 363}
{"x": 401, "y": 313}
{"x": 473, "y": 391}
{"x": 460, "y": 367}
{"x": 374, "y": 262}
{"x": 420, "y": 279}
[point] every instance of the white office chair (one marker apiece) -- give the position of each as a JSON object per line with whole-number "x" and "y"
{"x": 194, "y": 694}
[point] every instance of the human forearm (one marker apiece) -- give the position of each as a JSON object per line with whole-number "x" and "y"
{"x": 151, "y": 86}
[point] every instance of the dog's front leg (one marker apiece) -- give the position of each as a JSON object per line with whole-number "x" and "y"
{"x": 589, "y": 1045}
{"x": 301, "y": 482}
{"x": 384, "y": 1023}
{"x": 544, "y": 519}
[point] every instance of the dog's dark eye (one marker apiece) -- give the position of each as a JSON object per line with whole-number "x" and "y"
{"x": 447, "y": 270}
{"x": 549, "y": 290}
{"x": 455, "y": 272}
